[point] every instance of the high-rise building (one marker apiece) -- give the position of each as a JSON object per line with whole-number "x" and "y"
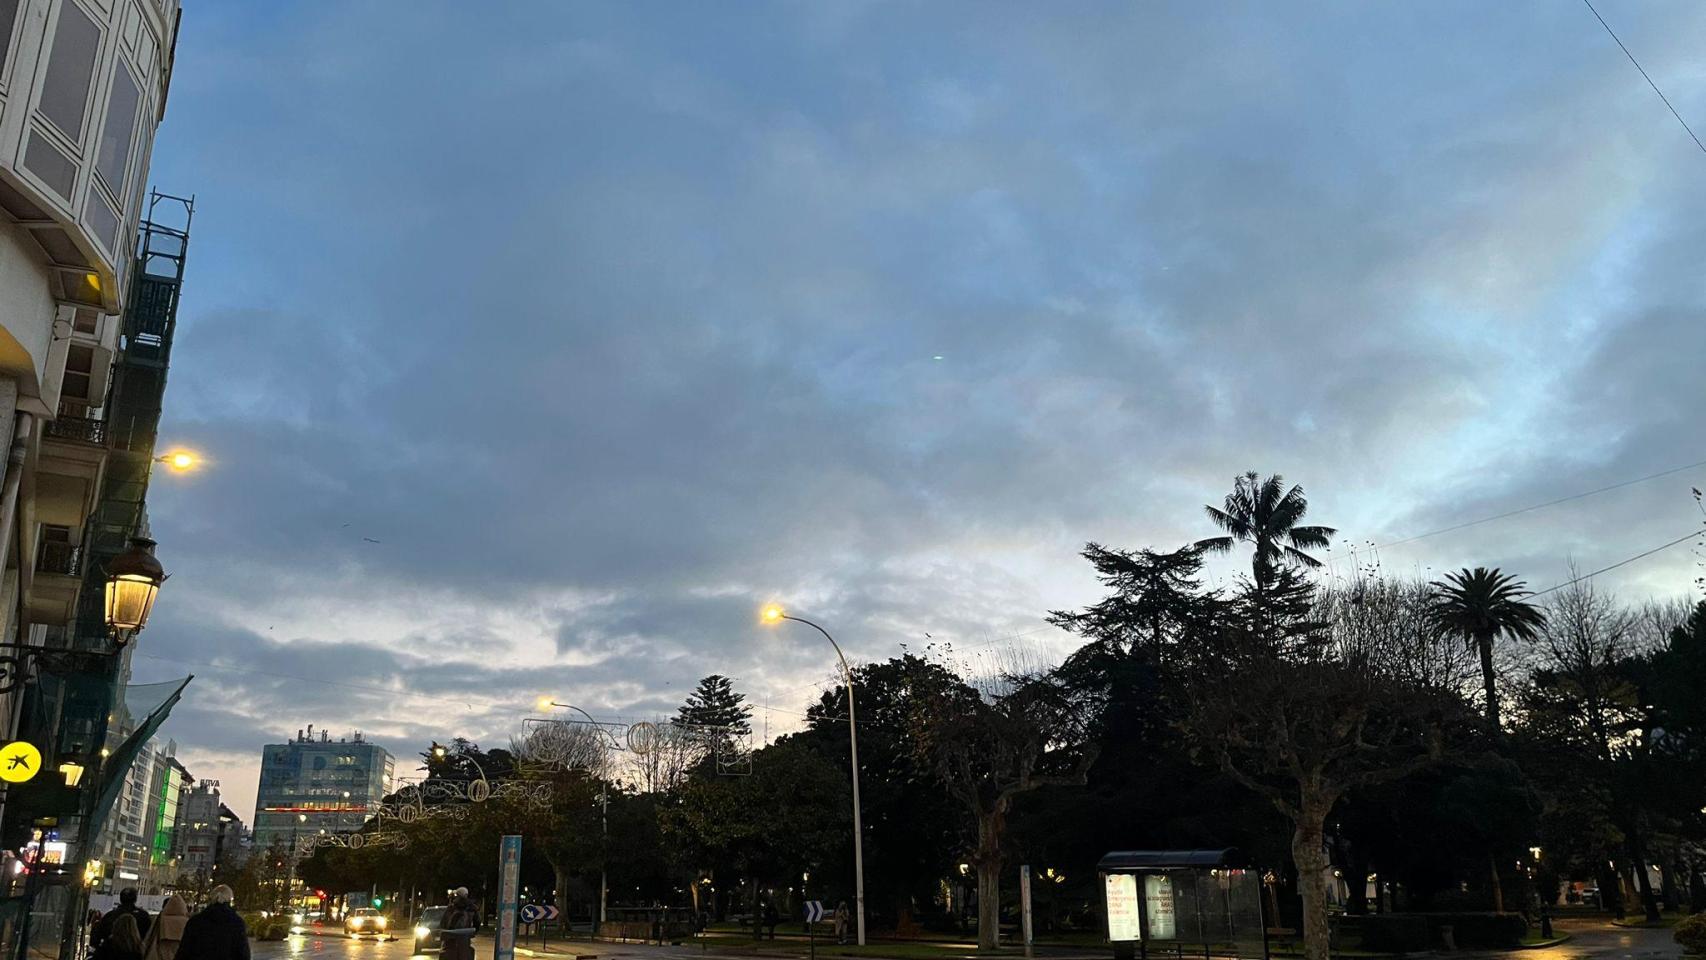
{"x": 209, "y": 833}
{"x": 314, "y": 784}
{"x": 136, "y": 845}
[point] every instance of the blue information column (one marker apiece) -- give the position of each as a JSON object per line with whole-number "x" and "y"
{"x": 509, "y": 884}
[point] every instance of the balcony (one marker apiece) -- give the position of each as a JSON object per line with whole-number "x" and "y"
{"x": 78, "y": 429}
{"x": 64, "y": 559}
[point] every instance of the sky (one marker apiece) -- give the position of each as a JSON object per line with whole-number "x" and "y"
{"x": 533, "y": 346}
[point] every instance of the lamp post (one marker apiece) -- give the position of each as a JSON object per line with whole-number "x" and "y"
{"x": 773, "y": 614}
{"x": 133, "y": 581}
{"x": 546, "y": 703}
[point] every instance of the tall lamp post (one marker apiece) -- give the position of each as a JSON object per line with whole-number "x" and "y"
{"x": 773, "y": 614}
{"x": 546, "y": 703}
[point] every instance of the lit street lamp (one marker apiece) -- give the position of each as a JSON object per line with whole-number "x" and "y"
{"x": 181, "y": 461}
{"x": 771, "y": 615}
{"x": 133, "y": 581}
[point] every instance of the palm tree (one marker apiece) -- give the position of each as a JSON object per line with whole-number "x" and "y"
{"x": 1265, "y": 513}
{"x": 1478, "y": 605}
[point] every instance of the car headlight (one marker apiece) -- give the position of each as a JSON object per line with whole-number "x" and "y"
{"x": 379, "y": 921}
{"x": 356, "y": 921}
{"x": 421, "y": 932}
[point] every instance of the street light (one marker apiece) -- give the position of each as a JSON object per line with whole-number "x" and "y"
{"x": 545, "y": 703}
{"x": 771, "y": 615}
{"x": 133, "y": 581}
{"x": 181, "y": 461}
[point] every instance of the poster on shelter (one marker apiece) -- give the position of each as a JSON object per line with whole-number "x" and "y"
{"x": 1158, "y": 901}
{"x": 1121, "y": 893}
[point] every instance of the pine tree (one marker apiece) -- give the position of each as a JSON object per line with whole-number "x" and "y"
{"x": 715, "y": 704}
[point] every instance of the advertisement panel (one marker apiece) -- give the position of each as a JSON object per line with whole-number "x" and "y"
{"x": 1158, "y": 903}
{"x": 1120, "y": 891}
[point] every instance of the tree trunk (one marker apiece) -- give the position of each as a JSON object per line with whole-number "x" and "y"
{"x": 1484, "y": 644}
{"x": 989, "y": 881}
{"x": 1356, "y": 878}
{"x": 1643, "y": 880}
{"x": 1308, "y": 853}
{"x": 1498, "y": 884}
{"x": 561, "y": 875}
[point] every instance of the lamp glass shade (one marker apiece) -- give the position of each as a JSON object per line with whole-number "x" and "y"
{"x": 130, "y": 599}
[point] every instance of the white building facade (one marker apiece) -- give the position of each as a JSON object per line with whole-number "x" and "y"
{"x": 82, "y": 89}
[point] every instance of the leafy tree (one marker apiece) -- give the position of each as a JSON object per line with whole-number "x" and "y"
{"x": 1156, "y": 600}
{"x": 789, "y": 815}
{"x": 987, "y": 751}
{"x": 911, "y": 824}
{"x": 1479, "y": 606}
{"x": 1267, "y": 515}
{"x": 1303, "y": 711}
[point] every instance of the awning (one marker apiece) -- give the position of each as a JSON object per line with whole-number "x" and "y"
{"x": 158, "y": 699}
{"x": 1170, "y": 859}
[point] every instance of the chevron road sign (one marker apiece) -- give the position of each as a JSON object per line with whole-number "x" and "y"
{"x": 814, "y": 911}
{"x": 535, "y": 912}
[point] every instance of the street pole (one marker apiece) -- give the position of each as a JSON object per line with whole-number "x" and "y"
{"x": 853, "y": 742}
{"x": 603, "y": 818}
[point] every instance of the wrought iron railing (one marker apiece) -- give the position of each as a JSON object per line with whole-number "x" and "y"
{"x": 80, "y": 429}
{"x": 65, "y": 559}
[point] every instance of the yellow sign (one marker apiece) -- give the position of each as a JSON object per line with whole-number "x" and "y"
{"x": 19, "y": 761}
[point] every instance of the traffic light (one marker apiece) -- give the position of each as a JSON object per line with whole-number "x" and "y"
{"x": 378, "y": 902}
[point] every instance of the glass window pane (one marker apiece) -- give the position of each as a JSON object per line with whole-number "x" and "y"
{"x": 114, "y": 155}
{"x": 70, "y": 69}
{"x": 8, "y": 22}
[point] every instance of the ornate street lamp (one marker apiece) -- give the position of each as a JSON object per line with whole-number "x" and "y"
{"x": 133, "y": 581}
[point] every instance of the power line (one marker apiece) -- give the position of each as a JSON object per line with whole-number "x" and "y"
{"x": 1646, "y": 553}
{"x": 1644, "y": 76}
{"x": 1542, "y": 506}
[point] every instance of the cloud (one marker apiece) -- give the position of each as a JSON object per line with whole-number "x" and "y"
{"x": 608, "y": 329}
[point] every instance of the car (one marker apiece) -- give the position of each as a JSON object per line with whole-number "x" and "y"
{"x": 427, "y": 930}
{"x": 365, "y": 920}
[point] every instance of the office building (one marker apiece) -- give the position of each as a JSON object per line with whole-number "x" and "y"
{"x": 315, "y": 784}
{"x": 209, "y": 833}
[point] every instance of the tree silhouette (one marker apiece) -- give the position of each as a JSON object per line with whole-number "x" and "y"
{"x": 1478, "y": 606}
{"x": 1264, "y": 513}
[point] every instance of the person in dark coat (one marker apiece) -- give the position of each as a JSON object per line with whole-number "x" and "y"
{"x": 456, "y": 930}
{"x": 126, "y": 907}
{"x": 771, "y": 917}
{"x": 122, "y": 942}
{"x": 216, "y": 933}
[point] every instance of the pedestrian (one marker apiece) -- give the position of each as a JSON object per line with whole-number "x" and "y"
{"x": 126, "y": 907}
{"x": 122, "y": 941}
{"x": 217, "y": 932}
{"x": 167, "y": 933}
{"x": 841, "y": 919}
{"x": 770, "y": 917}
{"x": 456, "y": 931}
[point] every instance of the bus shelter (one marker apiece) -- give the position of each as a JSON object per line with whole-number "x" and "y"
{"x": 1185, "y": 903}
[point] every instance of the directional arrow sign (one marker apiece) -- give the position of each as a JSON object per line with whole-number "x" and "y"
{"x": 814, "y": 911}
{"x": 535, "y": 912}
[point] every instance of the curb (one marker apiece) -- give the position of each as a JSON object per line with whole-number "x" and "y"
{"x": 1545, "y": 943}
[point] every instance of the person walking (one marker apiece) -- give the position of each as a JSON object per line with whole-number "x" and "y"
{"x": 122, "y": 942}
{"x": 456, "y": 931}
{"x": 771, "y": 918}
{"x": 126, "y": 907}
{"x": 841, "y": 919}
{"x": 167, "y": 934}
{"x": 217, "y": 932}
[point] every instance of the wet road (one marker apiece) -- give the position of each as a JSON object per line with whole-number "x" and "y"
{"x": 329, "y": 947}
{"x": 1596, "y": 940}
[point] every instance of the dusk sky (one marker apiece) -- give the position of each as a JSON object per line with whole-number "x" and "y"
{"x": 609, "y": 322}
